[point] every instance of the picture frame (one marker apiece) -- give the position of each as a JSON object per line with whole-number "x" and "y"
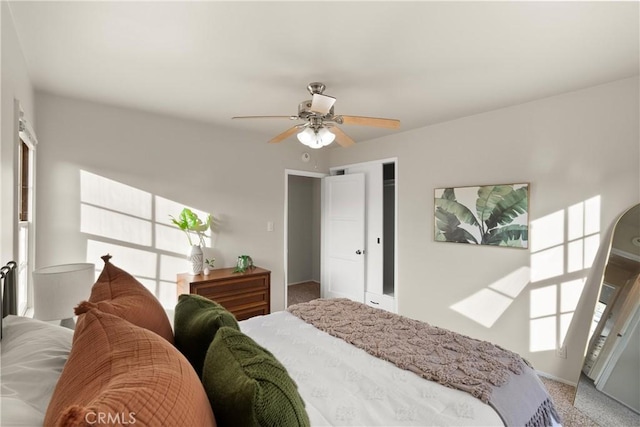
{"x": 492, "y": 215}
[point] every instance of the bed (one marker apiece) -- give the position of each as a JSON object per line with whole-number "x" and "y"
{"x": 339, "y": 383}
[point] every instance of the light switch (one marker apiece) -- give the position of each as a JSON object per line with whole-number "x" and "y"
{"x": 269, "y": 225}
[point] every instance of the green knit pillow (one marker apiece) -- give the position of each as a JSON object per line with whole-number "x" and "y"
{"x": 247, "y": 386}
{"x": 196, "y": 321}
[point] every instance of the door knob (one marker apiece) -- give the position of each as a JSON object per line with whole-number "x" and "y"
{"x": 358, "y": 252}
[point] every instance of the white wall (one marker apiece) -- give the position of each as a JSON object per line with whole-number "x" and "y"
{"x": 15, "y": 86}
{"x": 140, "y": 161}
{"x": 571, "y": 148}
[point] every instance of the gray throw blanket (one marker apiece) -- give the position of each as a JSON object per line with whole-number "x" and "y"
{"x": 494, "y": 375}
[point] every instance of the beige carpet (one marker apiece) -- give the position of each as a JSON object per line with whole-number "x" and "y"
{"x": 562, "y": 395}
{"x": 302, "y": 292}
{"x": 603, "y": 409}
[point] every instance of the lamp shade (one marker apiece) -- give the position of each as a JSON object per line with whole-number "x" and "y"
{"x": 316, "y": 138}
{"x": 306, "y": 136}
{"x": 325, "y": 136}
{"x": 59, "y": 288}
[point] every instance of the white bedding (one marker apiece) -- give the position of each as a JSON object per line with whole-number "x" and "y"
{"x": 345, "y": 386}
{"x": 33, "y": 355}
{"x": 341, "y": 384}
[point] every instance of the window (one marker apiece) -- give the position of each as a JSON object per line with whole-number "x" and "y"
{"x": 25, "y": 187}
{"x": 25, "y": 170}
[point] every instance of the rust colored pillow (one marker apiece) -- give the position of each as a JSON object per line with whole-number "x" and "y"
{"x": 118, "y": 374}
{"x": 118, "y": 292}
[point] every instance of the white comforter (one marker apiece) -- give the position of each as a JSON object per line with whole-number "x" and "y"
{"x": 341, "y": 384}
{"x": 345, "y": 386}
{"x": 33, "y": 354}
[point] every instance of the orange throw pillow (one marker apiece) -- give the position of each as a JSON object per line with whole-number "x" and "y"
{"x": 118, "y": 374}
{"x": 118, "y": 292}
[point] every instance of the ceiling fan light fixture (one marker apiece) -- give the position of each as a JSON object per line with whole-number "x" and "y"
{"x": 316, "y": 138}
{"x": 315, "y": 144}
{"x": 325, "y": 136}
{"x": 306, "y": 136}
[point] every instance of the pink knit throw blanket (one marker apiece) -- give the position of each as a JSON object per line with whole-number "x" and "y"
{"x": 457, "y": 361}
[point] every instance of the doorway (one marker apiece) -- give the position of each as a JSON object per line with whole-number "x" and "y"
{"x": 302, "y": 236}
{"x": 308, "y": 189}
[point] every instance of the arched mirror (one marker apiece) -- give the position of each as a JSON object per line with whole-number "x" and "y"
{"x": 609, "y": 386}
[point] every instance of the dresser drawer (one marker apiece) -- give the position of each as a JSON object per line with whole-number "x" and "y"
{"x": 236, "y": 300}
{"x": 244, "y": 294}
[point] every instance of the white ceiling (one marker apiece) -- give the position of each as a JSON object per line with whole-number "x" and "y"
{"x": 420, "y": 62}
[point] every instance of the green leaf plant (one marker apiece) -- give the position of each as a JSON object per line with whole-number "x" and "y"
{"x": 496, "y": 208}
{"x": 189, "y": 222}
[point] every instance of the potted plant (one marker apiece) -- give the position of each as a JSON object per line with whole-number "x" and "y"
{"x": 208, "y": 266}
{"x": 245, "y": 262}
{"x": 189, "y": 222}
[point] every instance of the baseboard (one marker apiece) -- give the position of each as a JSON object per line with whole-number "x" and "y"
{"x": 553, "y": 377}
{"x": 304, "y": 281}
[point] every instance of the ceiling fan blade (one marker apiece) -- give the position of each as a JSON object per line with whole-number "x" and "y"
{"x": 322, "y": 103}
{"x": 371, "y": 121}
{"x": 284, "y": 135}
{"x": 266, "y": 117}
{"x": 342, "y": 138}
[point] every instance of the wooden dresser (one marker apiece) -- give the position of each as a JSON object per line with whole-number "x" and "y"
{"x": 243, "y": 294}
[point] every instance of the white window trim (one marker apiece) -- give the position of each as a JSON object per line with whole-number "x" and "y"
{"x": 26, "y": 135}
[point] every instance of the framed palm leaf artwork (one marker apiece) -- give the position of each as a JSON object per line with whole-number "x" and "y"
{"x": 496, "y": 215}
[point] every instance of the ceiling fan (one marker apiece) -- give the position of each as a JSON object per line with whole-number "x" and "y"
{"x": 320, "y": 122}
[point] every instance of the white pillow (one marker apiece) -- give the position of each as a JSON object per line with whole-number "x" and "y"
{"x": 33, "y": 355}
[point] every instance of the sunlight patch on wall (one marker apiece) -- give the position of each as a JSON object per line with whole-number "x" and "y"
{"x": 570, "y": 294}
{"x": 585, "y": 233}
{"x": 114, "y": 225}
{"x": 137, "y": 262}
{"x": 169, "y": 265}
{"x": 565, "y": 321}
{"x": 542, "y": 334}
{"x": 591, "y": 245}
{"x": 167, "y": 293}
{"x": 475, "y": 306}
{"x": 575, "y": 256}
{"x": 499, "y": 296}
{"x": 170, "y": 238}
{"x": 560, "y": 259}
{"x": 166, "y": 207}
{"x": 542, "y": 301}
{"x": 547, "y": 264}
{"x": 135, "y": 228}
{"x": 513, "y": 283}
{"x": 547, "y": 232}
{"x": 100, "y": 191}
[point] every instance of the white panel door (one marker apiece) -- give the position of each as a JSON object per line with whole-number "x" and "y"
{"x": 374, "y": 262}
{"x": 343, "y": 209}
